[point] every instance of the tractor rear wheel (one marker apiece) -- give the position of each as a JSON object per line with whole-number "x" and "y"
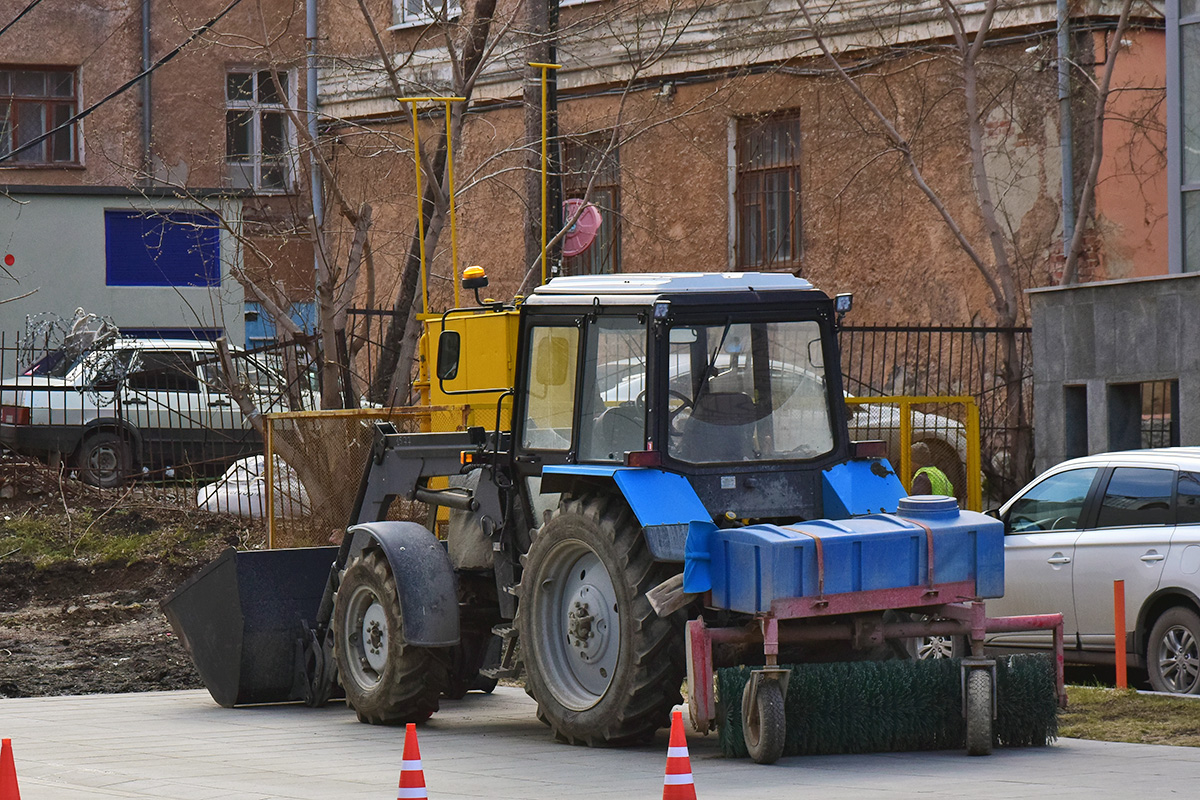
{"x": 604, "y": 668}
{"x": 387, "y": 681}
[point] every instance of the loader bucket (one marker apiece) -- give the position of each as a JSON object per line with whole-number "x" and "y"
{"x": 243, "y": 620}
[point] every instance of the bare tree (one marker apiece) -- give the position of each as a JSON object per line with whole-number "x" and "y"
{"x": 986, "y": 236}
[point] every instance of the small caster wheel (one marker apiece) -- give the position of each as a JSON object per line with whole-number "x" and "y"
{"x": 979, "y": 712}
{"x": 764, "y": 726}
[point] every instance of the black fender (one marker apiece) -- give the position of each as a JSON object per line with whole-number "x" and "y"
{"x": 426, "y": 585}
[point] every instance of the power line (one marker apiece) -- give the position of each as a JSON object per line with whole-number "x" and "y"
{"x": 203, "y": 29}
{"x": 16, "y": 19}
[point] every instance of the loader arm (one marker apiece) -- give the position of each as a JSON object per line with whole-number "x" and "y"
{"x": 401, "y": 465}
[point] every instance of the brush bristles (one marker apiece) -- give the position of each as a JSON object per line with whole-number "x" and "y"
{"x": 880, "y": 706}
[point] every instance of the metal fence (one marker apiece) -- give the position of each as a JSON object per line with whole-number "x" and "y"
{"x": 316, "y": 459}
{"x": 991, "y": 364}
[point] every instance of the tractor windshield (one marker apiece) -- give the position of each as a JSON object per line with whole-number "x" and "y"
{"x": 748, "y": 392}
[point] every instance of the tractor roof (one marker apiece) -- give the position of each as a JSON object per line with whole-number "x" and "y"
{"x": 637, "y": 288}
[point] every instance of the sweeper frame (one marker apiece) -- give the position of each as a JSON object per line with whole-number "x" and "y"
{"x": 856, "y": 617}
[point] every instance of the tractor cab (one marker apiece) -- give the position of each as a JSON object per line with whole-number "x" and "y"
{"x": 722, "y": 378}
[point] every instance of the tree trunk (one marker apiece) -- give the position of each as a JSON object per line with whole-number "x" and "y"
{"x": 391, "y": 371}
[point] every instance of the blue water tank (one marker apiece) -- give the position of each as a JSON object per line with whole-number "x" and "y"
{"x": 748, "y": 568}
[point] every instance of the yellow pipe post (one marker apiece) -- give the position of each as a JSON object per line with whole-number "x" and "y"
{"x": 906, "y": 444}
{"x": 974, "y": 461}
{"x": 420, "y": 204}
{"x": 545, "y": 125}
{"x": 453, "y": 227}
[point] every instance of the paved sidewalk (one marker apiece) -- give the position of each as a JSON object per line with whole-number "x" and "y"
{"x": 181, "y": 746}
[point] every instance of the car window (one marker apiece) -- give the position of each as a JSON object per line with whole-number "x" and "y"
{"x": 164, "y": 371}
{"x": 1054, "y": 504}
{"x": 1187, "y": 503}
{"x": 1137, "y": 496}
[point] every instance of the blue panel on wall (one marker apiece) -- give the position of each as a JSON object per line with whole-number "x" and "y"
{"x": 260, "y": 329}
{"x": 176, "y": 248}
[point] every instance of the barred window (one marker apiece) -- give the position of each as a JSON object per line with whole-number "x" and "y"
{"x": 583, "y": 157}
{"x": 767, "y": 196}
{"x": 411, "y": 12}
{"x": 257, "y": 134}
{"x": 32, "y": 103}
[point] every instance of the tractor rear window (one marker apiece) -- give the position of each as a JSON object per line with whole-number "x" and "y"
{"x": 748, "y": 392}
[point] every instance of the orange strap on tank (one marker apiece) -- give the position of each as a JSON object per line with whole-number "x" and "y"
{"x": 928, "y": 545}
{"x": 820, "y": 557}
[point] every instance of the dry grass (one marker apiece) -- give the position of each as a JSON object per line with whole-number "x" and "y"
{"x": 1110, "y": 715}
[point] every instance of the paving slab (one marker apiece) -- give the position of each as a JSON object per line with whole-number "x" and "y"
{"x": 182, "y": 746}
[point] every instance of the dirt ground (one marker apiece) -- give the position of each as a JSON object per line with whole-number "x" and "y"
{"x": 82, "y": 573}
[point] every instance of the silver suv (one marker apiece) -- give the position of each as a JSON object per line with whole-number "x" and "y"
{"x": 1131, "y": 516}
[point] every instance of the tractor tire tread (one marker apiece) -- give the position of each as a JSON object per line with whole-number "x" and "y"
{"x": 416, "y": 677}
{"x": 658, "y": 657}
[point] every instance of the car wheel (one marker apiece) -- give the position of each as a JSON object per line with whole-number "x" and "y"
{"x": 104, "y": 459}
{"x": 1173, "y": 655}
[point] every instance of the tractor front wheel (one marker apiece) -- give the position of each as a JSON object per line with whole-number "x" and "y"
{"x": 387, "y": 680}
{"x": 604, "y": 668}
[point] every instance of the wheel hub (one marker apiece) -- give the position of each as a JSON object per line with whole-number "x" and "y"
{"x": 588, "y": 624}
{"x": 375, "y": 637}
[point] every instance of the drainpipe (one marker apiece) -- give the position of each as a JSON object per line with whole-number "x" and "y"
{"x": 147, "y": 118}
{"x": 1064, "y": 125}
{"x": 310, "y": 90}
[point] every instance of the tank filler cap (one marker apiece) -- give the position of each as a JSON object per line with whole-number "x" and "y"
{"x": 924, "y": 505}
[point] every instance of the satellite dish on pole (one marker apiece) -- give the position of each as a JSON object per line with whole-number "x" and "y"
{"x": 580, "y": 235}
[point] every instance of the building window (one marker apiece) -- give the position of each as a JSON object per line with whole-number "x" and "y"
{"x": 767, "y": 194}
{"x": 415, "y": 12}
{"x": 586, "y": 157}
{"x": 32, "y": 103}
{"x": 258, "y": 138}
{"x": 170, "y": 248}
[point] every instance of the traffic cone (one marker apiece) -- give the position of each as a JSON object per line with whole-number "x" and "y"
{"x": 412, "y": 776}
{"x": 8, "y": 773}
{"x": 678, "y": 783}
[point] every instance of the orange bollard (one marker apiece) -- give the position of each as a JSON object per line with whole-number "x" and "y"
{"x": 678, "y": 783}
{"x": 1119, "y": 633}
{"x": 8, "y": 773}
{"x": 412, "y": 774}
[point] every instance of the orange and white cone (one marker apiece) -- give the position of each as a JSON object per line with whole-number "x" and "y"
{"x": 678, "y": 783}
{"x": 8, "y": 773}
{"x": 412, "y": 775}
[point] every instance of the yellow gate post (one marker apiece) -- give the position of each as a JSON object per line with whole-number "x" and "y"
{"x": 545, "y": 143}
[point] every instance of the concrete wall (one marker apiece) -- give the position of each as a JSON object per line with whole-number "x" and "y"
{"x": 1090, "y": 339}
{"x": 57, "y": 244}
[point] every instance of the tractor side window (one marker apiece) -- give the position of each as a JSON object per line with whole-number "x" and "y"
{"x": 613, "y": 418}
{"x": 550, "y": 388}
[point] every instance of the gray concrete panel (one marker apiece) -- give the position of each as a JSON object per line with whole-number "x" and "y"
{"x": 1117, "y": 332}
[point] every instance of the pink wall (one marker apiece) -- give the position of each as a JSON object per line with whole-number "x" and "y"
{"x": 1131, "y": 193}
